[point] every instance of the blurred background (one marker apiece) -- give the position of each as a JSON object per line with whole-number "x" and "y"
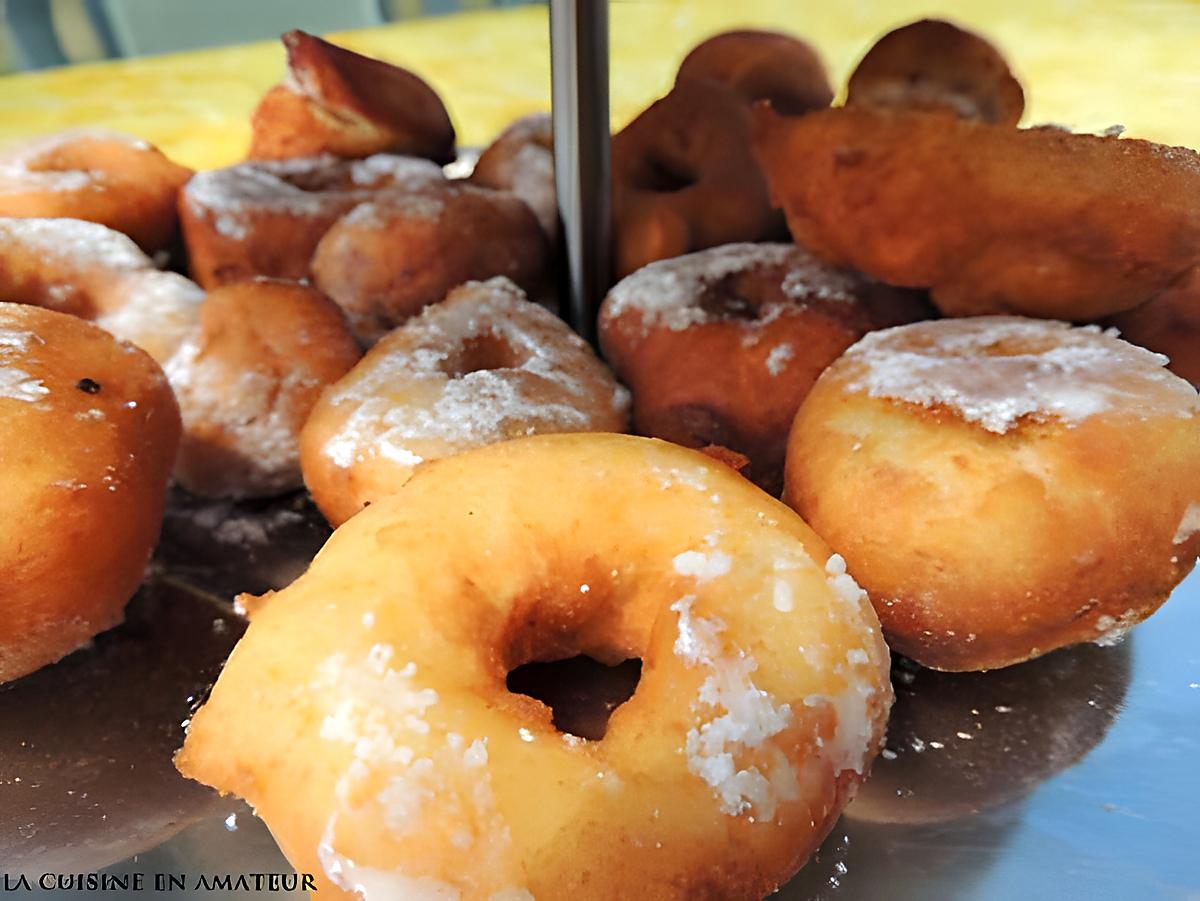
{"x": 185, "y": 74}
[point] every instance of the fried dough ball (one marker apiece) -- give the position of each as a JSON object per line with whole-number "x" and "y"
{"x": 991, "y": 219}
{"x": 339, "y": 102}
{"x": 482, "y": 366}
{"x": 1170, "y": 325}
{"x": 88, "y": 431}
{"x": 267, "y": 218}
{"x": 246, "y": 380}
{"x": 387, "y": 260}
{"x": 935, "y": 65}
{"x": 521, "y": 160}
{"x": 762, "y": 65}
{"x": 397, "y": 758}
{"x": 113, "y": 179}
{"x": 93, "y": 272}
{"x": 721, "y": 346}
{"x": 684, "y": 178}
{"x": 1001, "y": 486}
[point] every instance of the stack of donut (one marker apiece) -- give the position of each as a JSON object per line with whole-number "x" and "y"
{"x": 904, "y": 373}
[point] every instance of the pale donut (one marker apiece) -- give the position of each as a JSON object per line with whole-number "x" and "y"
{"x": 246, "y": 380}
{"x": 98, "y": 274}
{"x": 105, "y": 177}
{"x": 88, "y": 431}
{"x": 482, "y": 366}
{"x": 366, "y": 718}
{"x": 1001, "y": 486}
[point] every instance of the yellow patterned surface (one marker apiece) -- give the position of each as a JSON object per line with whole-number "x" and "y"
{"x": 1084, "y": 64}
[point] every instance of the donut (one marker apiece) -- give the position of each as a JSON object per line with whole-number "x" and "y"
{"x": 335, "y": 101}
{"x": 1169, "y": 324}
{"x": 105, "y": 177}
{"x": 88, "y": 431}
{"x": 267, "y": 218}
{"x": 246, "y": 380}
{"x": 721, "y": 346}
{"x": 93, "y": 272}
{"x": 482, "y": 366}
{"x": 1001, "y": 486}
{"x": 762, "y": 65}
{"x": 991, "y": 219}
{"x": 935, "y": 65}
{"x": 386, "y": 260}
{"x": 399, "y": 765}
{"x": 684, "y": 178}
{"x": 521, "y": 160}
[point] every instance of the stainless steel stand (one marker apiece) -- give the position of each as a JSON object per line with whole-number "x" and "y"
{"x": 579, "y": 69}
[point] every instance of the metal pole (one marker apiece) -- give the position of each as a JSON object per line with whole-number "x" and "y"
{"x": 579, "y": 72}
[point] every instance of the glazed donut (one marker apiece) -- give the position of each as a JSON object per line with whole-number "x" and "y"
{"x": 266, "y": 218}
{"x": 684, "y": 178}
{"x": 721, "y": 346}
{"x": 990, "y": 218}
{"x": 482, "y": 366}
{"x": 339, "y": 102}
{"x": 398, "y": 764}
{"x": 1001, "y": 486}
{"x": 935, "y": 65}
{"x": 100, "y": 176}
{"x": 762, "y": 65}
{"x": 521, "y": 160}
{"x": 88, "y": 430}
{"x": 388, "y": 259}
{"x": 98, "y": 274}
{"x": 246, "y": 380}
{"x": 1169, "y": 324}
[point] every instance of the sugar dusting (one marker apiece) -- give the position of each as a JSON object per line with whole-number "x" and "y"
{"x": 995, "y": 371}
{"x": 1189, "y": 525}
{"x": 667, "y": 293}
{"x": 16, "y": 383}
{"x": 553, "y": 382}
{"x": 380, "y": 712}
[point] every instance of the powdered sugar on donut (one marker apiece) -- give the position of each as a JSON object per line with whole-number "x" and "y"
{"x": 549, "y": 381}
{"x": 16, "y": 383}
{"x": 667, "y": 293}
{"x": 82, "y": 244}
{"x": 1189, "y": 525}
{"x": 996, "y": 370}
{"x": 23, "y": 168}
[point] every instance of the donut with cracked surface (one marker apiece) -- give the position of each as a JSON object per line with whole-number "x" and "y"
{"x": 1001, "y": 486}
{"x": 336, "y": 101}
{"x": 101, "y": 176}
{"x": 721, "y": 346}
{"x": 399, "y": 763}
{"x": 246, "y": 380}
{"x": 482, "y": 366}
{"x": 88, "y": 432}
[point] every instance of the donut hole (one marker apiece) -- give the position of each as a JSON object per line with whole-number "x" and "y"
{"x": 483, "y": 352}
{"x": 662, "y": 175}
{"x": 580, "y": 691}
{"x": 734, "y": 297}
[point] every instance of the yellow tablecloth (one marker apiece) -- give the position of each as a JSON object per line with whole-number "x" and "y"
{"x": 1084, "y": 64}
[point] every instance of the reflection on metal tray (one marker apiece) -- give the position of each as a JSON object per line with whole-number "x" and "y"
{"x": 1068, "y": 777}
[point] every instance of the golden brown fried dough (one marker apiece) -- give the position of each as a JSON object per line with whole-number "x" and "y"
{"x": 1001, "y": 486}
{"x": 684, "y": 178}
{"x": 1169, "y": 324}
{"x": 339, "y": 102}
{"x": 991, "y": 219}
{"x": 88, "y": 432}
{"x": 388, "y": 259}
{"x": 762, "y": 65}
{"x": 521, "y": 160}
{"x": 246, "y": 381}
{"x": 935, "y": 65}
